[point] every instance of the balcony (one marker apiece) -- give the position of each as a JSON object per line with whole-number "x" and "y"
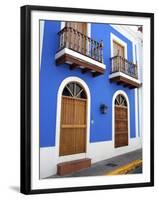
{"x": 80, "y": 51}
{"x": 124, "y": 72}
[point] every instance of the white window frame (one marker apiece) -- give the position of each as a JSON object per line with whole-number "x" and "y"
{"x": 42, "y": 26}
{"x": 119, "y": 41}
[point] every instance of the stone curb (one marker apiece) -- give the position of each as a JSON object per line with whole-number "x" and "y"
{"x": 126, "y": 168}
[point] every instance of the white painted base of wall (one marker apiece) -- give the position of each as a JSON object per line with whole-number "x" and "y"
{"x": 96, "y": 151}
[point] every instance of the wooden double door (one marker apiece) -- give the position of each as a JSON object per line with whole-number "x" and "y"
{"x": 78, "y": 26}
{"x": 121, "y": 121}
{"x": 73, "y": 121}
{"x": 77, "y": 38}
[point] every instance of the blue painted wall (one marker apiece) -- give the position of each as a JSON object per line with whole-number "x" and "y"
{"x": 100, "y": 87}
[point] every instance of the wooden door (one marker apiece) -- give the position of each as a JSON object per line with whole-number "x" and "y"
{"x": 78, "y": 26}
{"x": 78, "y": 41}
{"x": 73, "y": 121}
{"x": 118, "y": 49}
{"x": 121, "y": 121}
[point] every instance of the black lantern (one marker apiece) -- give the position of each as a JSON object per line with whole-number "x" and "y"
{"x": 103, "y": 108}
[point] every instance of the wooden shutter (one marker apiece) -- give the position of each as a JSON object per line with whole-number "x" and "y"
{"x": 118, "y": 49}
{"x": 78, "y": 41}
{"x": 121, "y": 126}
{"x": 73, "y": 126}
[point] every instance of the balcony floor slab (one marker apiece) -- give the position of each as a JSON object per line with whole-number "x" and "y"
{"x": 77, "y": 60}
{"x": 125, "y": 80}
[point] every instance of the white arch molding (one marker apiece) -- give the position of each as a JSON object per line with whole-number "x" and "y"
{"x": 58, "y": 117}
{"x": 113, "y": 116}
{"x": 113, "y": 38}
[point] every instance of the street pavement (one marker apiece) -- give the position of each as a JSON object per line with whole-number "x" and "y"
{"x": 106, "y": 166}
{"x": 137, "y": 170}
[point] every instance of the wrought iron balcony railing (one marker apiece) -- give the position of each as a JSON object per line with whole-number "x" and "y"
{"x": 77, "y": 41}
{"x": 120, "y": 64}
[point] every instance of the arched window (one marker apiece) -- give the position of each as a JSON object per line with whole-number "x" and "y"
{"x": 120, "y": 101}
{"x": 75, "y": 90}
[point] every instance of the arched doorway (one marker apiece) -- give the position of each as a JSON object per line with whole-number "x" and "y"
{"x": 121, "y": 121}
{"x": 73, "y": 123}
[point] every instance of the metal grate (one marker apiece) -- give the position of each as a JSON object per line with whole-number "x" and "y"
{"x": 111, "y": 165}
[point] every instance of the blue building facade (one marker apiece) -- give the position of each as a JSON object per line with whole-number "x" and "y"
{"x": 102, "y": 90}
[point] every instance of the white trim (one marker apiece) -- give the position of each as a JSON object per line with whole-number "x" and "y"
{"x": 98, "y": 151}
{"x": 134, "y": 52}
{"x": 140, "y": 59}
{"x": 62, "y": 25}
{"x": 121, "y": 42}
{"x": 71, "y": 157}
{"x": 138, "y": 62}
{"x": 89, "y": 30}
{"x": 140, "y": 116}
{"x": 136, "y": 100}
{"x": 42, "y": 23}
{"x": 136, "y": 111}
{"x": 113, "y": 116}
{"x": 58, "y": 115}
{"x": 128, "y": 32}
{"x": 138, "y": 53}
{"x": 79, "y": 56}
{"x": 115, "y": 74}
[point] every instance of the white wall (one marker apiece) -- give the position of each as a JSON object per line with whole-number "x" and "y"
{"x": 9, "y": 98}
{"x": 49, "y": 155}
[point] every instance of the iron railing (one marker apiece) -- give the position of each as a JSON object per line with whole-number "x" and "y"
{"x": 77, "y": 41}
{"x": 120, "y": 64}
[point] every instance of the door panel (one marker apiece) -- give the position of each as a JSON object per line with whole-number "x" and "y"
{"x": 80, "y": 138}
{"x": 73, "y": 126}
{"x": 121, "y": 126}
{"x": 78, "y": 42}
{"x": 118, "y": 49}
{"x": 79, "y": 26}
{"x": 67, "y": 141}
{"x": 80, "y": 111}
{"x": 67, "y": 108}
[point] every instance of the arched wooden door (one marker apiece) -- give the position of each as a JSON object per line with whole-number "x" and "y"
{"x": 73, "y": 120}
{"x": 121, "y": 121}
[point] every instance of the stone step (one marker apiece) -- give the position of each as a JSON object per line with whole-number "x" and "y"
{"x": 73, "y": 166}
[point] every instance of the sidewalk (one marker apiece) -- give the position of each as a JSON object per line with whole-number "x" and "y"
{"x": 106, "y": 166}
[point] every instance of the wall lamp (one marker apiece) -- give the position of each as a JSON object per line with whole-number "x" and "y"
{"x": 103, "y": 108}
